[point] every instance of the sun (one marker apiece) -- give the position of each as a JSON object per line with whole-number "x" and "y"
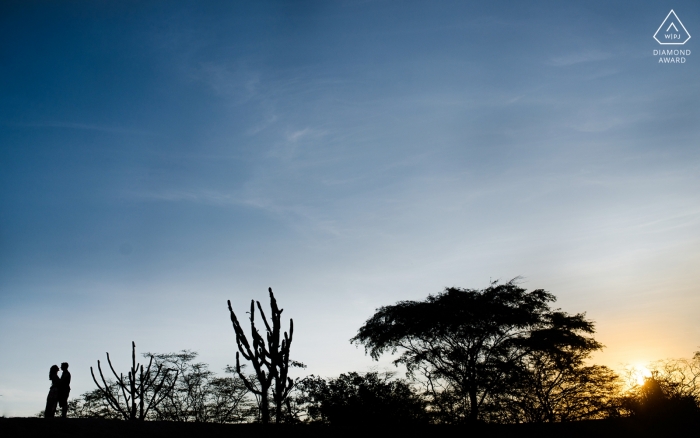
{"x": 639, "y": 374}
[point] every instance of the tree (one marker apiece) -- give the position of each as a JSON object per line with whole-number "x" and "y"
{"x": 547, "y": 391}
{"x": 269, "y": 357}
{"x": 141, "y": 392}
{"x": 94, "y": 404}
{"x": 197, "y": 394}
{"x": 369, "y": 398}
{"x": 230, "y": 402}
{"x": 466, "y": 345}
{"x": 302, "y": 404}
{"x": 552, "y": 382}
{"x": 679, "y": 377}
{"x": 672, "y": 390}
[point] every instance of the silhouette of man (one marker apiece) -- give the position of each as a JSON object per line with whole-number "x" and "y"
{"x": 64, "y": 389}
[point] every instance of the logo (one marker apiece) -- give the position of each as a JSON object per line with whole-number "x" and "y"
{"x": 672, "y": 31}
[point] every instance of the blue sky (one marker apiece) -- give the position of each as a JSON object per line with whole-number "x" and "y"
{"x": 159, "y": 158}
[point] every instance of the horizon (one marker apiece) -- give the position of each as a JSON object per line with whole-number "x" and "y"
{"x": 158, "y": 159}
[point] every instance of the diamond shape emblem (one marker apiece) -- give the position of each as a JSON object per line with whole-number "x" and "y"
{"x": 672, "y": 31}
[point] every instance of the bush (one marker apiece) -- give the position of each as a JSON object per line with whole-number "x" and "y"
{"x": 353, "y": 399}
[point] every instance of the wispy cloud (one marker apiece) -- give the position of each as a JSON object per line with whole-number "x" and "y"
{"x": 297, "y": 147}
{"x": 268, "y": 121}
{"x": 297, "y": 214}
{"x": 297, "y": 135}
{"x": 237, "y": 82}
{"x": 211, "y": 197}
{"x": 205, "y": 196}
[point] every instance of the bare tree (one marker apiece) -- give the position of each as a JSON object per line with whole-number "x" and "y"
{"x": 270, "y": 358}
{"x": 681, "y": 377}
{"x": 673, "y": 389}
{"x": 94, "y": 404}
{"x": 140, "y": 392}
{"x": 198, "y": 395}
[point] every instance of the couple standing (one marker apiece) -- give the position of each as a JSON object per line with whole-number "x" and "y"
{"x": 58, "y": 394}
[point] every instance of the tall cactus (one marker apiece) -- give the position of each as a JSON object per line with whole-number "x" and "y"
{"x": 270, "y": 359}
{"x": 140, "y": 391}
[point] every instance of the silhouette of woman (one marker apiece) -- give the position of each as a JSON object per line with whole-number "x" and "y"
{"x": 52, "y": 399}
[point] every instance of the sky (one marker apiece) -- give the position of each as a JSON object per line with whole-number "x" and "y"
{"x": 159, "y": 158}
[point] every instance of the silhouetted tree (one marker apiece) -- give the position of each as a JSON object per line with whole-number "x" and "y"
{"x": 552, "y": 381}
{"x": 141, "y": 392}
{"x": 657, "y": 399}
{"x": 269, "y": 357}
{"x": 197, "y": 394}
{"x": 230, "y": 403}
{"x": 547, "y": 391}
{"x": 672, "y": 390}
{"x": 467, "y": 345}
{"x": 680, "y": 377}
{"x": 300, "y": 401}
{"x": 94, "y": 404}
{"x": 367, "y": 398}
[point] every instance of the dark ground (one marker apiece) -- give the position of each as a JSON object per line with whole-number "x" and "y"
{"x": 83, "y": 428}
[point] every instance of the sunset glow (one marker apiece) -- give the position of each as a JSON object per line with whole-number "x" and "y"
{"x": 639, "y": 373}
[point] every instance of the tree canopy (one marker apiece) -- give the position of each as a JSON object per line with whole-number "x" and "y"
{"x": 470, "y": 344}
{"x": 373, "y": 398}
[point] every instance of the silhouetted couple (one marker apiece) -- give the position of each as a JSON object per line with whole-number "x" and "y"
{"x": 58, "y": 394}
